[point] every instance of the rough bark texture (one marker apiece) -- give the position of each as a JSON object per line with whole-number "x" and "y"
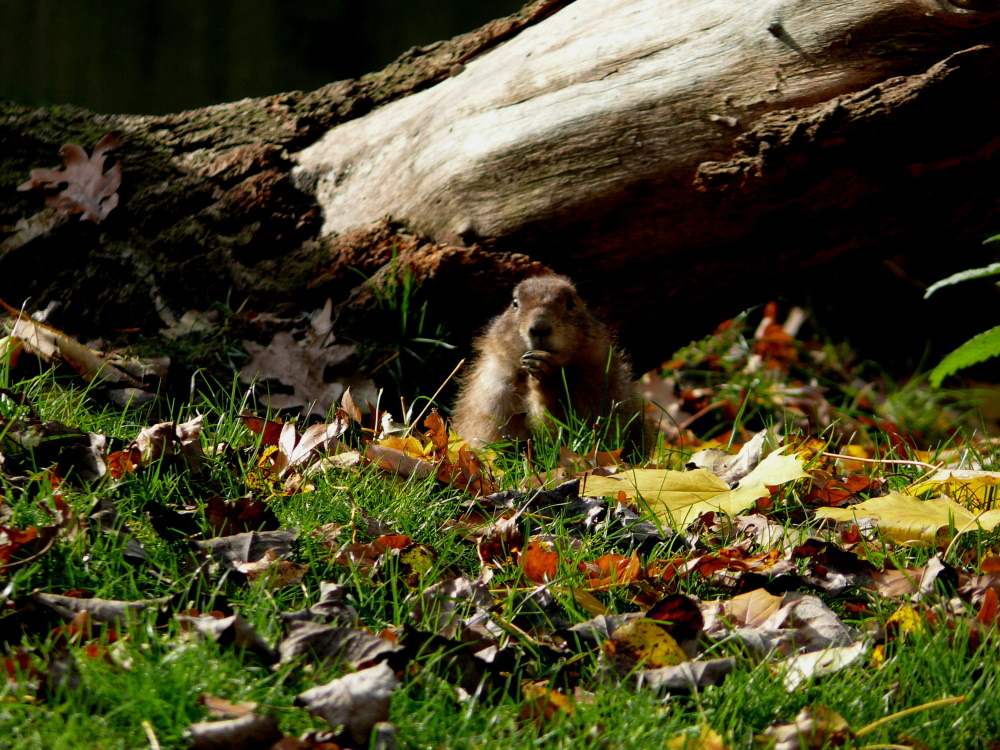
{"x": 660, "y": 153}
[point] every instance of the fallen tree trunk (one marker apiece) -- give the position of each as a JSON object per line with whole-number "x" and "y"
{"x": 653, "y": 150}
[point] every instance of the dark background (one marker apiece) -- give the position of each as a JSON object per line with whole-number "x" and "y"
{"x": 148, "y": 57}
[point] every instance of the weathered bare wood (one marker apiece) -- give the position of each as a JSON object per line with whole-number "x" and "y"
{"x": 602, "y": 97}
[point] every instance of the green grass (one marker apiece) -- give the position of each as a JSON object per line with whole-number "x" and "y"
{"x": 149, "y": 679}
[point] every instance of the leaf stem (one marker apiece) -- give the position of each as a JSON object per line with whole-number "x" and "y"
{"x": 906, "y": 712}
{"x": 903, "y": 461}
{"x": 416, "y": 422}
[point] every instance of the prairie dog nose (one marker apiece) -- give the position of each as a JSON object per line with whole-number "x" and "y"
{"x": 540, "y": 329}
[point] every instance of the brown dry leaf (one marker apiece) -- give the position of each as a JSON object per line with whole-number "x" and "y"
{"x": 301, "y": 364}
{"x": 166, "y": 439}
{"x": 316, "y": 643}
{"x": 803, "y": 667}
{"x": 13, "y": 540}
{"x": 904, "y": 518}
{"x": 895, "y": 583}
{"x": 279, "y": 573}
{"x": 751, "y": 609}
{"x": 832, "y": 491}
{"x": 731, "y": 468}
{"x": 686, "y": 677}
{"x": 239, "y": 549}
{"x": 450, "y": 608}
{"x": 221, "y": 707}
{"x": 356, "y": 701}
{"x": 297, "y": 452}
{"x": 193, "y": 321}
{"x": 814, "y": 728}
{"x": 397, "y": 462}
{"x": 268, "y": 430}
{"x": 680, "y": 615}
{"x": 50, "y": 344}
{"x": 99, "y": 610}
{"x": 90, "y": 190}
{"x": 228, "y": 517}
{"x": 989, "y": 609}
{"x": 249, "y": 731}
{"x": 232, "y": 630}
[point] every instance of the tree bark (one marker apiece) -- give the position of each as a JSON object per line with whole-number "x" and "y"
{"x": 687, "y": 151}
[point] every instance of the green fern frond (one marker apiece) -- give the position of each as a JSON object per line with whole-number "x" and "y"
{"x": 993, "y": 269}
{"x": 975, "y": 350}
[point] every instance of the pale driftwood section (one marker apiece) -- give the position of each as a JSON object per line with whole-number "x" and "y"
{"x": 602, "y": 98}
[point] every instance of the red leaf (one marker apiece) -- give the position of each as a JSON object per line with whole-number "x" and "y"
{"x": 540, "y": 565}
{"x": 271, "y": 431}
{"x": 680, "y": 614}
{"x": 991, "y": 607}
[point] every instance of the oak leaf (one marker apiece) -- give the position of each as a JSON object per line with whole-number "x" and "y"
{"x": 90, "y": 190}
{"x": 356, "y": 701}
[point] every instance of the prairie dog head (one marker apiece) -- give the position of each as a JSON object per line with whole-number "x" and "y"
{"x": 550, "y": 315}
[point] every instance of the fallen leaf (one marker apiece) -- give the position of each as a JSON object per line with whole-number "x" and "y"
{"x": 731, "y": 468}
{"x": 99, "y": 610}
{"x": 753, "y": 608}
{"x": 698, "y": 738}
{"x": 687, "y": 677}
{"x": 540, "y": 562}
{"x": 317, "y": 643}
{"x": 239, "y": 549}
{"x": 301, "y": 364}
{"x": 904, "y": 518}
{"x": 814, "y": 728}
{"x": 642, "y": 644}
{"x": 975, "y": 490}
{"x": 250, "y": 732}
{"x": 450, "y": 607}
{"x": 230, "y": 630}
{"x": 50, "y": 344}
{"x": 990, "y": 608}
{"x": 680, "y": 497}
{"x": 221, "y": 707}
{"x": 802, "y": 667}
{"x": 542, "y": 703}
{"x": 90, "y": 191}
{"x": 356, "y": 701}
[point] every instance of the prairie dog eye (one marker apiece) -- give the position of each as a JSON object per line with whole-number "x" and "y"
{"x": 514, "y": 303}
{"x": 570, "y": 303}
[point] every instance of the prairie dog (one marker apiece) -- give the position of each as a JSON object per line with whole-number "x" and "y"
{"x": 546, "y": 354}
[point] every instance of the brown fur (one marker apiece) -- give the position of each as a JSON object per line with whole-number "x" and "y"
{"x": 545, "y": 344}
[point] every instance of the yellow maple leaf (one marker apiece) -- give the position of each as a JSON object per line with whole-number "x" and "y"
{"x": 411, "y": 446}
{"x": 643, "y": 643}
{"x": 904, "y": 518}
{"x": 974, "y": 489}
{"x": 702, "y": 737}
{"x": 679, "y": 497}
